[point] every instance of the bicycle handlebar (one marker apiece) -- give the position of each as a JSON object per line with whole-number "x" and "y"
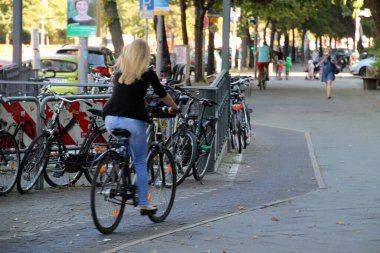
{"x": 4, "y": 99}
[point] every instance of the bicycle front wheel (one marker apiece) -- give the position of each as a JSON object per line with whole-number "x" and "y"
{"x": 9, "y": 162}
{"x": 107, "y": 198}
{"x": 206, "y": 142}
{"x": 184, "y": 149}
{"x": 162, "y": 176}
{"x": 33, "y": 163}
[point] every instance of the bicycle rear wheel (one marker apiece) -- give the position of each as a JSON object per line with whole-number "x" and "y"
{"x": 56, "y": 173}
{"x": 183, "y": 148}
{"x": 206, "y": 142}
{"x": 33, "y": 163}
{"x": 9, "y": 162}
{"x": 162, "y": 176}
{"x": 107, "y": 198}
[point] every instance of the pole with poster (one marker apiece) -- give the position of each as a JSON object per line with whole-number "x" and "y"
{"x": 82, "y": 23}
{"x": 161, "y": 8}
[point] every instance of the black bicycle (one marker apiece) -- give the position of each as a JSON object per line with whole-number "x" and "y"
{"x": 113, "y": 185}
{"x": 9, "y": 162}
{"x": 61, "y": 164}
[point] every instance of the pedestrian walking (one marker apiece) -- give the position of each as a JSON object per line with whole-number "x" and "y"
{"x": 288, "y": 66}
{"x": 328, "y": 70}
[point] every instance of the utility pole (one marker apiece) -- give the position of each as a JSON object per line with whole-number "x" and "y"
{"x": 160, "y": 44}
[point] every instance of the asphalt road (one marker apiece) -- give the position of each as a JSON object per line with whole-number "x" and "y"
{"x": 275, "y": 166}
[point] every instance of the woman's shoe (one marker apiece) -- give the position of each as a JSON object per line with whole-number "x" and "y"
{"x": 328, "y": 97}
{"x": 145, "y": 210}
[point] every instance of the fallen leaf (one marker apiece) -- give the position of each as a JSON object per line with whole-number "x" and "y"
{"x": 274, "y": 218}
{"x": 255, "y": 237}
{"x": 340, "y": 222}
{"x": 240, "y": 207}
{"x": 26, "y": 222}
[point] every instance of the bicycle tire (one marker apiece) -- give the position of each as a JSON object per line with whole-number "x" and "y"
{"x": 107, "y": 202}
{"x": 240, "y": 139}
{"x": 237, "y": 131}
{"x": 55, "y": 173}
{"x": 9, "y": 162}
{"x": 206, "y": 142}
{"x": 184, "y": 150}
{"x": 161, "y": 183}
{"x": 92, "y": 152}
{"x": 33, "y": 163}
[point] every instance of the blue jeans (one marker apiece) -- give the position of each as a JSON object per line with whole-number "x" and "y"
{"x": 138, "y": 146}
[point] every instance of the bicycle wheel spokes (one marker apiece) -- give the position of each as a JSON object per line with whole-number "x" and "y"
{"x": 184, "y": 153}
{"x": 9, "y": 162}
{"x": 205, "y": 147}
{"x": 162, "y": 183}
{"x": 107, "y": 198}
{"x": 33, "y": 163}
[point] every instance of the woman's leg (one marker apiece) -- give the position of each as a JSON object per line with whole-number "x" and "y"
{"x": 328, "y": 88}
{"x": 138, "y": 145}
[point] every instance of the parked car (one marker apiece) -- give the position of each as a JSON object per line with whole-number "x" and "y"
{"x": 4, "y": 63}
{"x": 100, "y": 59}
{"x": 360, "y": 67}
{"x": 66, "y": 71}
{"x": 217, "y": 61}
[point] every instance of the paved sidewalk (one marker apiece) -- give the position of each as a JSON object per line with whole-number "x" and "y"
{"x": 343, "y": 217}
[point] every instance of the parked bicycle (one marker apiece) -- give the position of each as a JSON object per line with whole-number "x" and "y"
{"x": 204, "y": 130}
{"x": 18, "y": 129}
{"x": 240, "y": 123}
{"x": 61, "y": 164}
{"x": 113, "y": 185}
{"x": 9, "y": 162}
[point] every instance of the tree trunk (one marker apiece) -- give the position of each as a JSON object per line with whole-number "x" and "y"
{"x": 210, "y": 57}
{"x": 200, "y": 11}
{"x": 114, "y": 26}
{"x": 374, "y": 6}
{"x": 185, "y": 38}
{"x": 286, "y": 43}
{"x": 166, "y": 65}
{"x": 265, "y": 29}
{"x": 272, "y": 33}
{"x": 303, "y": 44}
{"x": 320, "y": 46}
{"x": 199, "y": 16}
{"x": 293, "y": 46}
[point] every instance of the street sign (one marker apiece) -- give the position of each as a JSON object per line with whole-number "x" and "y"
{"x": 146, "y": 8}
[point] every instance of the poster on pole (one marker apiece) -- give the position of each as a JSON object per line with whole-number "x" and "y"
{"x": 146, "y": 8}
{"x": 82, "y": 18}
{"x": 161, "y": 7}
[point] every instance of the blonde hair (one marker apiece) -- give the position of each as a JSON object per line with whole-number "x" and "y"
{"x": 133, "y": 61}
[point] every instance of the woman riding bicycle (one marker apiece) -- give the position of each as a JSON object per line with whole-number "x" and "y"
{"x": 263, "y": 60}
{"x": 126, "y": 108}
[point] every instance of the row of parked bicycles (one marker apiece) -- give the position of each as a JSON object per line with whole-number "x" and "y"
{"x": 179, "y": 146}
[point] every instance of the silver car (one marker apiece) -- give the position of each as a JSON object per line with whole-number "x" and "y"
{"x": 360, "y": 67}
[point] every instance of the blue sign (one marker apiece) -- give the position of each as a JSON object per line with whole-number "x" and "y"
{"x": 146, "y": 8}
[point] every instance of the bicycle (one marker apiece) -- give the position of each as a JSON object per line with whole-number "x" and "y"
{"x": 262, "y": 77}
{"x": 204, "y": 131}
{"x": 17, "y": 130}
{"x": 61, "y": 165}
{"x": 240, "y": 123}
{"x": 113, "y": 185}
{"x": 182, "y": 143}
{"x": 9, "y": 162}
